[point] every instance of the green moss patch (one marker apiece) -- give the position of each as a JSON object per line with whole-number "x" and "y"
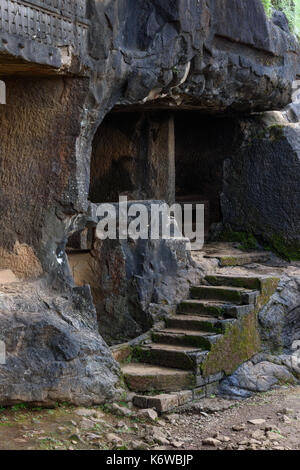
{"x": 239, "y": 343}
{"x": 289, "y": 251}
{"x": 247, "y": 240}
{"x": 235, "y": 281}
{"x": 241, "y": 339}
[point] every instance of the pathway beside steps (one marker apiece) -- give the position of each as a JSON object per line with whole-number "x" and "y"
{"x": 172, "y": 362}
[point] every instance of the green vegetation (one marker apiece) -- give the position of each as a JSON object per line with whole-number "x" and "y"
{"x": 275, "y": 243}
{"x": 290, "y": 252}
{"x": 267, "y": 5}
{"x": 19, "y": 406}
{"x": 247, "y": 240}
{"x": 291, "y": 8}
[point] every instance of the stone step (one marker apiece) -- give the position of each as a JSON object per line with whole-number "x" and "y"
{"x": 164, "y": 402}
{"x": 183, "y": 357}
{"x": 212, "y": 308}
{"x": 236, "y": 295}
{"x": 235, "y": 281}
{"x": 240, "y": 259}
{"x": 7, "y": 276}
{"x": 197, "y": 322}
{"x": 179, "y": 337}
{"x": 147, "y": 378}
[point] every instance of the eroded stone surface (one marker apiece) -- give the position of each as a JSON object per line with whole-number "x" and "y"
{"x": 259, "y": 195}
{"x": 260, "y": 377}
{"x": 53, "y": 350}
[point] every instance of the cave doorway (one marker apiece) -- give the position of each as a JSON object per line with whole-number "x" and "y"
{"x": 202, "y": 143}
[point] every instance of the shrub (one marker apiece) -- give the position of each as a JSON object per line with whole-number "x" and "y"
{"x": 268, "y": 5}
{"x": 291, "y": 9}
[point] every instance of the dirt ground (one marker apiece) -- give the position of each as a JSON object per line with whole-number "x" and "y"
{"x": 275, "y": 416}
{"x": 207, "y": 425}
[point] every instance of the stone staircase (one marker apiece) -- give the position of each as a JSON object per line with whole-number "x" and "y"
{"x": 189, "y": 353}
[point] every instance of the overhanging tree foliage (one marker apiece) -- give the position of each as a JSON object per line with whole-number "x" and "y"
{"x": 291, "y": 8}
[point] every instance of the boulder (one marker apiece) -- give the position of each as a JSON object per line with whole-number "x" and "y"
{"x": 279, "y": 323}
{"x": 260, "y": 377}
{"x": 138, "y": 281}
{"x": 148, "y": 413}
{"x": 54, "y": 352}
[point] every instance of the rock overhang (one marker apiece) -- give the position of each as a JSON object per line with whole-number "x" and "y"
{"x": 213, "y": 56}
{"x": 197, "y": 55}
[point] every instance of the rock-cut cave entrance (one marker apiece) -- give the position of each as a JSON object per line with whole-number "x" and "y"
{"x": 162, "y": 155}
{"x": 146, "y": 155}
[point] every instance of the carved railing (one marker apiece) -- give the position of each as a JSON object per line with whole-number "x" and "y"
{"x": 52, "y": 22}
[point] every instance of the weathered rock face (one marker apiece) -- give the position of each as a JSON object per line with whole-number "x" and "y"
{"x": 40, "y": 126}
{"x": 279, "y": 320}
{"x": 261, "y": 183}
{"x": 53, "y": 350}
{"x": 210, "y": 55}
{"x": 133, "y": 277}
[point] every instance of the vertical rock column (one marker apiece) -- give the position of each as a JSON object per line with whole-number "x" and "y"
{"x": 161, "y": 156}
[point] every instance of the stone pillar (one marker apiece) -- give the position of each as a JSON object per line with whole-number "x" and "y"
{"x": 161, "y": 156}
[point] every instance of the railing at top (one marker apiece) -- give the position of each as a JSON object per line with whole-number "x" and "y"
{"x": 52, "y": 22}
{"x": 68, "y": 7}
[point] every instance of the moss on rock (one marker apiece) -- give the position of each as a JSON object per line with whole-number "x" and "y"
{"x": 247, "y": 240}
{"x": 289, "y": 251}
{"x": 241, "y": 339}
